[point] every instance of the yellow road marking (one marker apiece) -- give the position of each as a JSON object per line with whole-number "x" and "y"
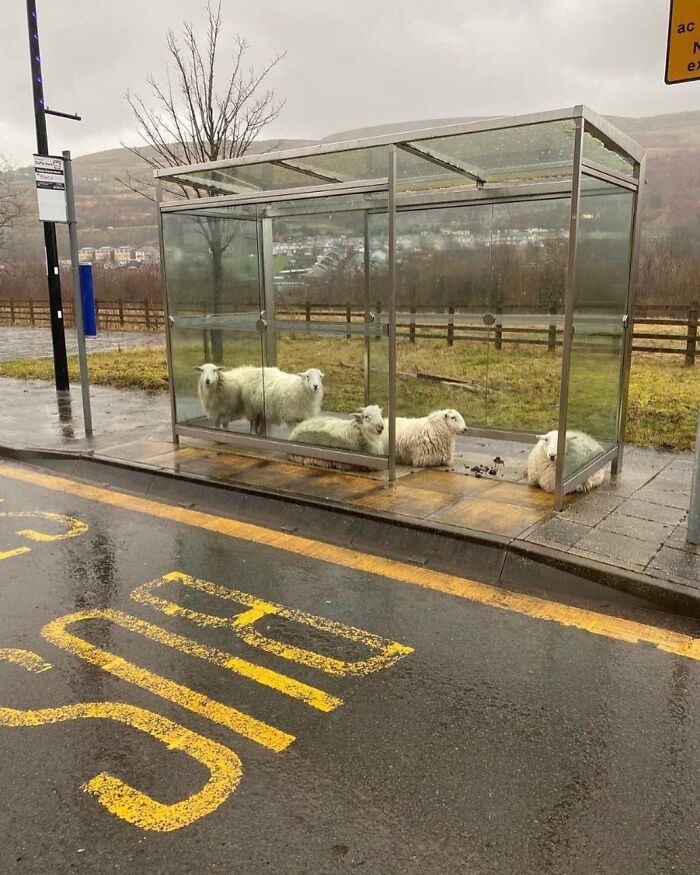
{"x": 17, "y": 551}
{"x": 296, "y": 689}
{"x": 118, "y": 797}
{"x": 241, "y": 625}
{"x": 531, "y": 606}
{"x": 236, "y": 720}
{"x": 25, "y": 658}
{"x": 73, "y": 527}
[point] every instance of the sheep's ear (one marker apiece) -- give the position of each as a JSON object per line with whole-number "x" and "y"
{"x": 218, "y": 367}
{"x": 357, "y": 415}
{"x": 198, "y": 368}
{"x": 322, "y": 374}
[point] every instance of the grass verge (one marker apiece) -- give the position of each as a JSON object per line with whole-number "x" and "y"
{"x": 510, "y": 389}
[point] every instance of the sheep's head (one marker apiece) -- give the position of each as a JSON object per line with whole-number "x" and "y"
{"x": 208, "y": 373}
{"x": 369, "y": 419}
{"x": 452, "y": 419}
{"x": 313, "y": 379}
{"x": 549, "y": 442}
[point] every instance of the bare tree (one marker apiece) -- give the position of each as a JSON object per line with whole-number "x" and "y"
{"x": 200, "y": 115}
{"x": 10, "y": 204}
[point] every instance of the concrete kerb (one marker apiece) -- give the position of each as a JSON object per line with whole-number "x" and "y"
{"x": 511, "y": 563}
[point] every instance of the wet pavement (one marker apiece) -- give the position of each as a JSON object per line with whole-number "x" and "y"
{"x": 636, "y": 524}
{"x": 31, "y": 343}
{"x": 235, "y": 699}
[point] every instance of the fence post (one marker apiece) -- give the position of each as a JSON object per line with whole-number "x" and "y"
{"x": 348, "y": 317}
{"x": 12, "y": 312}
{"x": 412, "y": 324}
{"x": 147, "y": 315}
{"x": 450, "y": 326}
{"x": 498, "y": 331}
{"x": 97, "y": 314}
{"x": 552, "y": 334}
{"x": 31, "y": 312}
{"x": 121, "y": 313}
{"x": 379, "y": 321}
{"x": 692, "y": 340}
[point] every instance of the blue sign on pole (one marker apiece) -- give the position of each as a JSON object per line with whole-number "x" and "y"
{"x": 87, "y": 294}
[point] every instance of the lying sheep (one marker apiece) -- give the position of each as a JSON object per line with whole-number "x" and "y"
{"x": 427, "y": 440}
{"x": 360, "y": 434}
{"x": 275, "y": 397}
{"x": 220, "y": 392}
{"x": 542, "y": 461}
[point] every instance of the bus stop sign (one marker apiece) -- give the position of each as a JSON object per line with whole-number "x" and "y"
{"x": 683, "y": 48}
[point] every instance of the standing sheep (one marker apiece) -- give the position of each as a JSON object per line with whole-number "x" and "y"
{"x": 542, "y": 461}
{"x": 275, "y": 397}
{"x": 360, "y": 434}
{"x": 220, "y": 391}
{"x": 428, "y": 440}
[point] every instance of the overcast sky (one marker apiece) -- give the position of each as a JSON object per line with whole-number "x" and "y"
{"x": 349, "y": 63}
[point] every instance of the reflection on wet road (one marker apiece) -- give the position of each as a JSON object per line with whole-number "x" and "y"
{"x": 181, "y": 692}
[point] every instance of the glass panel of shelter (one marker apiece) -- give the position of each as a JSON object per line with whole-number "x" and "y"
{"x": 603, "y": 254}
{"x": 330, "y": 290}
{"x": 212, "y": 268}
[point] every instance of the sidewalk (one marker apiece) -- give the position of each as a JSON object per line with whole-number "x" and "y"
{"x": 33, "y": 343}
{"x": 635, "y": 526}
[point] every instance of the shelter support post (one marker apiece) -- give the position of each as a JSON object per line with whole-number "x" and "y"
{"x": 268, "y": 283}
{"x": 392, "y": 313}
{"x": 616, "y": 467}
{"x": 568, "y": 318}
{"x": 368, "y": 314}
{"x": 168, "y": 318}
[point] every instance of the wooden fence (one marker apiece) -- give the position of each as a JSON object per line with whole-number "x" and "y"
{"x": 658, "y": 329}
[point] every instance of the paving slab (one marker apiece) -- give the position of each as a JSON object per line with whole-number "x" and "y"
{"x": 595, "y": 507}
{"x": 628, "y": 549}
{"x": 629, "y": 526}
{"x": 678, "y": 564}
{"x": 558, "y": 532}
{"x": 648, "y": 510}
{"x": 668, "y": 497}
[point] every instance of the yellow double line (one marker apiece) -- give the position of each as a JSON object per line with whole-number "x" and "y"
{"x": 540, "y": 609}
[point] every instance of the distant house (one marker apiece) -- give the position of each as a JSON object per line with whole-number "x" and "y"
{"x": 86, "y": 253}
{"x": 105, "y": 255}
{"x": 124, "y": 255}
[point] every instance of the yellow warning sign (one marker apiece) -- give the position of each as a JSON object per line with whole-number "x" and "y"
{"x": 683, "y": 51}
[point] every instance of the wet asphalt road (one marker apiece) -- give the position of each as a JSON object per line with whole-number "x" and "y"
{"x": 490, "y": 742}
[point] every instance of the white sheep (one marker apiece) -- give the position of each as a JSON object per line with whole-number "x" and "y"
{"x": 427, "y": 440}
{"x": 542, "y": 461}
{"x": 219, "y": 394}
{"x": 362, "y": 433}
{"x": 275, "y": 397}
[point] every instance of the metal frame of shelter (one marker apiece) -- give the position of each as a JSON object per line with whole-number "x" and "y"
{"x": 476, "y": 189}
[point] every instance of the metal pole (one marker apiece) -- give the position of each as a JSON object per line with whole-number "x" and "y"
{"x": 616, "y": 467}
{"x": 58, "y": 337}
{"x": 168, "y": 319}
{"x": 569, "y": 300}
{"x": 368, "y": 315}
{"x": 693, "y": 536}
{"x": 392, "y": 313}
{"x": 77, "y": 296}
{"x": 268, "y": 282}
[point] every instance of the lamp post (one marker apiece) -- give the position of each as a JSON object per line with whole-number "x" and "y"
{"x": 58, "y": 337}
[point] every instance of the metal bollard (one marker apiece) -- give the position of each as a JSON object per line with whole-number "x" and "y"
{"x": 693, "y": 536}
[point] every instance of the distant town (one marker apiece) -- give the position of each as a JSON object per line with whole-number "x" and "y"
{"x": 116, "y": 256}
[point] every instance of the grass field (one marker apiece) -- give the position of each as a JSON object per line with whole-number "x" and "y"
{"x": 516, "y": 388}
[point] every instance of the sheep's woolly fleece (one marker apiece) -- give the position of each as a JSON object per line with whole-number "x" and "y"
{"x": 542, "y": 461}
